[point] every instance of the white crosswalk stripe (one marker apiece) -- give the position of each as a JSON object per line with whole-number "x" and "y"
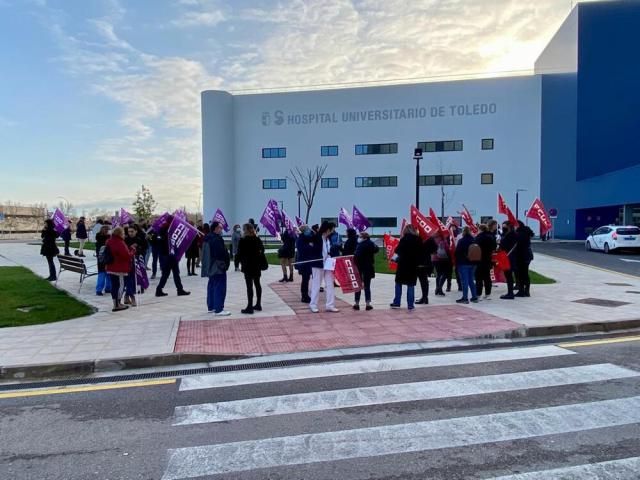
{"x": 279, "y": 451}
{"x": 356, "y": 397}
{"x": 368, "y": 366}
{"x": 396, "y": 439}
{"x": 623, "y": 469}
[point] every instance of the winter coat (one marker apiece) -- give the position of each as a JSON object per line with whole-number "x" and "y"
{"x": 49, "y": 247}
{"x": 409, "y": 252}
{"x": 364, "y": 257}
{"x": 235, "y": 240}
{"x": 121, "y": 254}
{"x": 81, "y": 231}
{"x": 288, "y": 248}
{"x": 66, "y": 234}
{"x": 101, "y": 240}
{"x": 315, "y": 252}
{"x": 487, "y": 243}
{"x": 507, "y": 244}
{"x": 523, "y": 252}
{"x": 305, "y": 252}
{"x": 428, "y": 248}
{"x": 462, "y": 249}
{"x": 215, "y": 256}
{"x": 161, "y": 241}
{"x": 193, "y": 251}
{"x": 336, "y": 244}
{"x": 250, "y": 252}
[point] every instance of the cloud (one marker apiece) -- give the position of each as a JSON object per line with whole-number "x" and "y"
{"x": 199, "y": 19}
{"x": 7, "y": 122}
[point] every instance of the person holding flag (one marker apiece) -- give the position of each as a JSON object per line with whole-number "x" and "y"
{"x": 364, "y": 256}
{"x": 508, "y": 244}
{"x": 251, "y": 253}
{"x": 286, "y": 254}
{"x": 215, "y": 263}
{"x": 323, "y": 268}
{"x": 168, "y": 262}
{"x": 407, "y": 257}
{"x": 49, "y": 249}
{"x": 524, "y": 255}
{"x": 304, "y": 253}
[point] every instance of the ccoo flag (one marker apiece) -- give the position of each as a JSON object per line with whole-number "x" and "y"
{"x": 504, "y": 209}
{"x": 347, "y": 274}
{"x": 538, "y": 212}
{"x": 268, "y": 219}
{"x": 220, "y": 218}
{"x": 289, "y": 224}
{"x": 468, "y": 219}
{"x": 424, "y": 226}
{"x": 444, "y": 231}
{"x": 390, "y": 245}
{"x": 59, "y": 221}
{"x": 360, "y": 222}
{"x": 181, "y": 234}
{"x": 344, "y": 218}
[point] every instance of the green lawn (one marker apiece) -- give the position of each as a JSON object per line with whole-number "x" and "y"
{"x": 75, "y": 245}
{"x": 39, "y": 301}
{"x": 382, "y": 266}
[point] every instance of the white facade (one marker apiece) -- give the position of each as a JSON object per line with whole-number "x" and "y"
{"x": 237, "y": 127}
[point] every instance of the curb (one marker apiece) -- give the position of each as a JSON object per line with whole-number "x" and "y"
{"x": 66, "y": 369}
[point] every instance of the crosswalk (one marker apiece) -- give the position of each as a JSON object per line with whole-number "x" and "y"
{"x": 504, "y": 424}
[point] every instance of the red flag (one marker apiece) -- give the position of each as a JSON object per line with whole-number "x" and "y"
{"x": 451, "y": 222}
{"x": 497, "y": 275}
{"x": 538, "y": 212}
{"x": 424, "y": 226}
{"x": 468, "y": 219}
{"x": 390, "y": 245}
{"x": 347, "y": 274}
{"x": 505, "y": 210}
{"x": 402, "y": 225}
{"x": 444, "y": 231}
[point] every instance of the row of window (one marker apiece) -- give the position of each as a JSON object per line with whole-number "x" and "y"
{"x": 388, "y": 181}
{"x": 383, "y": 148}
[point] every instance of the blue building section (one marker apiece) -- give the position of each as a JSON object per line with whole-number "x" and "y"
{"x": 590, "y": 144}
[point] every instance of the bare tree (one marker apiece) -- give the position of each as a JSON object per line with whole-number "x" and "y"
{"x": 65, "y": 207}
{"x": 307, "y": 183}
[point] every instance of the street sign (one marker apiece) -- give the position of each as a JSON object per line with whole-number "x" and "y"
{"x": 553, "y": 212}
{"x": 417, "y": 153}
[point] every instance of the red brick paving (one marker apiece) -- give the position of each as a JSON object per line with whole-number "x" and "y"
{"x": 306, "y": 331}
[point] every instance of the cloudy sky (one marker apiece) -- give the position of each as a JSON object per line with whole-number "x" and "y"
{"x": 101, "y": 96}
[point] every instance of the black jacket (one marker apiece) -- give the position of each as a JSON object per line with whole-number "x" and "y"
{"x": 305, "y": 252}
{"x": 488, "y": 245}
{"x": 350, "y": 245}
{"x": 364, "y": 257}
{"x": 288, "y": 248}
{"x": 429, "y": 247}
{"x": 250, "y": 251}
{"x": 409, "y": 252}
{"x": 49, "y": 247}
{"x": 81, "y": 231}
{"x": 523, "y": 252}
{"x": 462, "y": 249}
{"x": 507, "y": 244}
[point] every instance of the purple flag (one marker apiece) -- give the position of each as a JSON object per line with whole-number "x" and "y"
{"x": 141, "y": 273}
{"x": 157, "y": 224}
{"x": 219, "y": 217}
{"x": 181, "y": 234}
{"x": 125, "y": 217}
{"x": 299, "y": 221}
{"x": 345, "y": 219}
{"x": 360, "y": 222}
{"x": 268, "y": 220}
{"x": 181, "y": 214}
{"x": 289, "y": 225}
{"x": 59, "y": 221}
{"x": 276, "y": 212}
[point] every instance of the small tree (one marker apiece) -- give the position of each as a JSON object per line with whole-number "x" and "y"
{"x": 307, "y": 183}
{"x": 144, "y": 204}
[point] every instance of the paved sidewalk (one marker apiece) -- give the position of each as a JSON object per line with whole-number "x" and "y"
{"x": 153, "y": 328}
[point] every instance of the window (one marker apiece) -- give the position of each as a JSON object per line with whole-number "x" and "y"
{"x": 376, "y": 148}
{"x": 486, "y": 178}
{"x": 274, "y": 183}
{"x": 430, "y": 180}
{"x": 485, "y": 220}
{"x": 376, "y": 182}
{"x": 386, "y": 222}
{"x": 487, "y": 144}
{"x": 441, "y": 146}
{"x": 333, "y": 220}
{"x": 329, "y": 183}
{"x": 329, "y": 151}
{"x": 277, "y": 152}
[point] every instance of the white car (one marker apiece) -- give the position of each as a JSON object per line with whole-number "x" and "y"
{"x": 612, "y": 237}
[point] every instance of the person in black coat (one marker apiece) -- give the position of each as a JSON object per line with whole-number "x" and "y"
{"x": 524, "y": 255}
{"x": 81, "y": 235}
{"x": 103, "y": 284}
{"x": 250, "y": 252}
{"x": 508, "y": 244}
{"x": 286, "y": 254}
{"x": 349, "y": 247}
{"x": 407, "y": 256}
{"x": 364, "y": 256}
{"x": 66, "y": 236}
{"x": 425, "y": 268}
{"x": 49, "y": 248}
{"x": 466, "y": 266}
{"x": 442, "y": 262}
{"x": 305, "y": 252}
{"x": 487, "y": 242}
{"x": 168, "y": 264}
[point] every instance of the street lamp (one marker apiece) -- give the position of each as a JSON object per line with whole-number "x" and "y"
{"x": 417, "y": 156}
{"x": 517, "y": 200}
{"x": 299, "y": 195}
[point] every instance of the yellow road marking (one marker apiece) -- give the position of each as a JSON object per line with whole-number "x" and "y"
{"x": 635, "y": 277}
{"x": 604, "y": 341}
{"x": 86, "y": 388}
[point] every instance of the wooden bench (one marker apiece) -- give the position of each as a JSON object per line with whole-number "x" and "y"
{"x": 76, "y": 264}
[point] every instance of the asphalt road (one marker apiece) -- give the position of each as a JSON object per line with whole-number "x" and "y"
{"x": 468, "y": 415}
{"x": 623, "y": 262}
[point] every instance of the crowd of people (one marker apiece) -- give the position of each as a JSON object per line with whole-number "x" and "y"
{"x": 311, "y": 251}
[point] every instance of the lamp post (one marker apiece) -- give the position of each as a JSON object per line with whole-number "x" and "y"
{"x": 517, "y": 200}
{"x": 299, "y": 195}
{"x": 417, "y": 156}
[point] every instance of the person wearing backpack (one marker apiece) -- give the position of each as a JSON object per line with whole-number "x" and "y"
{"x": 487, "y": 243}
{"x": 442, "y": 263}
{"x": 468, "y": 255}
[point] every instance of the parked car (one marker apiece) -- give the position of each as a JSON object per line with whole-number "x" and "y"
{"x": 613, "y": 237}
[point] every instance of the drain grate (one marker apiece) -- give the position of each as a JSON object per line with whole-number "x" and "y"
{"x": 601, "y": 302}
{"x": 619, "y": 284}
